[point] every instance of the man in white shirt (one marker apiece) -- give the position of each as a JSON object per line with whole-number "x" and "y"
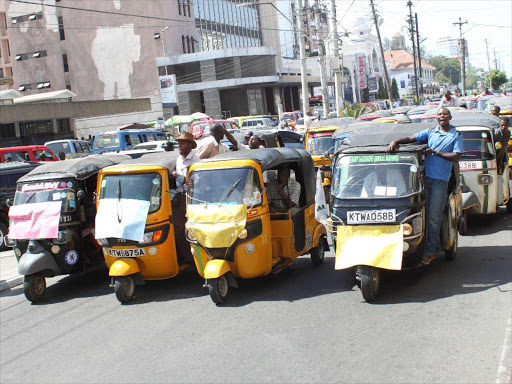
{"x": 449, "y": 100}
{"x": 308, "y": 120}
{"x": 212, "y": 146}
{"x": 186, "y": 144}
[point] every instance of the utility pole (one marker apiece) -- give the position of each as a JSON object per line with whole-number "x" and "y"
{"x": 337, "y": 71}
{"x": 488, "y": 59}
{"x": 495, "y": 60}
{"x": 411, "y": 30}
{"x": 462, "y": 46}
{"x": 303, "y": 66}
{"x": 419, "y": 57}
{"x": 386, "y": 77}
{"x": 321, "y": 57}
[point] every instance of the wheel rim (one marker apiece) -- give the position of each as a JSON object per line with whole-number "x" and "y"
{"x": 39, "y": 286}
{"x": 375, "y": 280}
{"x": 2, "y": 238}
{"x": 128, "y": 286}
{"x": 222, "y": 286}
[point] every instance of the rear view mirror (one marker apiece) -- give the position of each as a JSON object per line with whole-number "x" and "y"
{"x": 8, "y": 203}
{"x": 81, "y": 195}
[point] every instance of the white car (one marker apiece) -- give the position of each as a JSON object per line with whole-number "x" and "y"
{"x": 263, "y": 122}
{"x": 157, "y": 146}
{"x": 300, "y": 127}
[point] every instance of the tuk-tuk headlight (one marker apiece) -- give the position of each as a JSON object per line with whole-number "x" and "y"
{"x": 243, "y": 234}
{"x": 484, "y": 179}
{"x": 151, "y": 237}
{"x": 407, "y": 228}
{"x": 102, "y": 242}
{"x": 190, "y": 235}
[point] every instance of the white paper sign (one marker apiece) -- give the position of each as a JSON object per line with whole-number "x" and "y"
{"x": 122, "y": 219}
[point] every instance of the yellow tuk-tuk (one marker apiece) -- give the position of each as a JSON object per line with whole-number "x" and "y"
{"x": 320, "y": 144}
{"x": 134, "y": 219}
{"x": 237, "y": 225}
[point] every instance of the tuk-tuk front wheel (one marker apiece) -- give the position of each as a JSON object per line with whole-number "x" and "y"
{"x": 218, "y": 289}
{"x": 3, "y": 234}
{"x": 318, "y": 253}
{"x": 451, "y": 253}
{"x": 370, "y": 281}
{"x": 124, "y": 288}
{"x": 34, "y": 287}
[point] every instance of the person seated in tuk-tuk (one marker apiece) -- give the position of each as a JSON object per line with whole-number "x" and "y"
{"x": 501, "y": 138}
{"x": 284, "y": 192}
{"x": 255, "y": 142}
{"x": 444, "y": 147}
{"x": 186, "y": 144}
{"x": 384, "y": 181}
{"x": 496, "y": 111}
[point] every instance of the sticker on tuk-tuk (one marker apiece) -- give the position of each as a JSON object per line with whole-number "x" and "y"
{"x": 71, "y": 196}
{"x": 103, "y": 183}
{"x": 374, "y": 159}
{"x": 156, "y": 181}
{"x": 70, "y": 184}
{"x": 63, "y": 195}
{"x": 413, "y": 169}
{"x": 247, "y": 201}
{"x": 72, "y": 204}
{"x": 71, "y": 257}
{"x": 484, "y": 135}
{"x": 155, "y": 200}
{"x": 56, "y": 196}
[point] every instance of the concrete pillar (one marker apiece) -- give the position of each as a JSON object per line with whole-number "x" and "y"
{"x": 212, "y": 103}
{"x": 238, "y": 67}
{"x": 54, "y": 126}
{"x": 354, "y": 85}
{"x": 277, "y": 100}
{"x": 17, "y": 130}
{"x": 184, "y": 103}
{"x": 208, "y": 70}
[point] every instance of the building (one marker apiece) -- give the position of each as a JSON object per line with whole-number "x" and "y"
{"x": 108, "y": 58}
{"x": 6, "y": 81}
{"x": 398, "y": 42}
{"x": 448, "y": 47}
{"x": 400, "y": 64}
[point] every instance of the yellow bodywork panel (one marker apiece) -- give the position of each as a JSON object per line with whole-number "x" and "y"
{"x": 216, "y": 225}
{"x": 124, "y": 267}
{"x": 375, "y": 246}
{"x": 216, "y": 268}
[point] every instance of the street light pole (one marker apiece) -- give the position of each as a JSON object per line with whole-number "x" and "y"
{"x": 338, "y": 71}
{"x": 419, "y": 57}
{"x": 321, "y": 56}
{"x": 303, "y": 65}
{"x": 163, "y": 46}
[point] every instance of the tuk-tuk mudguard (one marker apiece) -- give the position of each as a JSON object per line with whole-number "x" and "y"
{"x": 124, "y": 267}
{"x": 216, "y": 268}
{"x": 31, "y": 263}
{"x": 469, "y": 200}
{"x": 319, "y": 231}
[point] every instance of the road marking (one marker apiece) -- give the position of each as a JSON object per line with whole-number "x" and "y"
{"x": 505, "y": 367}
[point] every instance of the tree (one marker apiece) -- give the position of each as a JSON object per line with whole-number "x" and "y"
{"x": 472, "y": 78}
{"x": 383, "y": 92}
{"x": 449, "y": 67}
{"x": 496, "y": 78}
{"x": 394, "y": 90}
{"x": 366, "y": 95}
{"x": 355, "y": 110}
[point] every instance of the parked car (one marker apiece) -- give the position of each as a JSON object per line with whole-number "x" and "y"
{"x": 124, "y": 139}
{"x": 33, "y": 153}
{"x": 9, "y": 174}
{"x": 263, "y": 122}
{"x": 156, "y": 146}
{"x": 70, "y": 147}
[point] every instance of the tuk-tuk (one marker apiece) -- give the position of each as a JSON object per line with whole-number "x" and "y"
{"x": 483, "y": 189}
{"x": 52, "y": 220}
{"x": 320, "y": 144}
{"x": 238, "y": 227}
{"x": 134, "y": 222}
{"x": 378, "y": 205}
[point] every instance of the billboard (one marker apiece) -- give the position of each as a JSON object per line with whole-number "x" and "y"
{"x": 168, "y": 91}
{"x": 361, "y": 65}
{"x": 372, "y": 84}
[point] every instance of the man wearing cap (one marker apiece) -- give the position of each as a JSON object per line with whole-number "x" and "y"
{"x": 186, "y": 144}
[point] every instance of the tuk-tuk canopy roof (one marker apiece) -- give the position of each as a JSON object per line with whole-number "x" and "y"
{"x": 339, "y": 121}
{"x": 159, "y": 159}
{"x": 376, "y": 138}
{"x": 80, "y": 168}
{"x": 271, "y": 158}
{"x": 471, "y": 118}
{"x": 343, "y": 130}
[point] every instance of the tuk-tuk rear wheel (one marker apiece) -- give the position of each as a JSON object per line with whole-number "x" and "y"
{"x": 218, "y": 289}
{"x": 463, "y": 224}
{"x": 318, "y": 253}
{"x": 370, "y": 281}
{"x": 451, "y": 253}
{"x": 124, "y": 288}
{"x": 34, "y": 287}
{"x": 3, "y": 233}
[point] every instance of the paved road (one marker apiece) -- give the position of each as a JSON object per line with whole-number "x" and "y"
{"x": 444, "y": 324}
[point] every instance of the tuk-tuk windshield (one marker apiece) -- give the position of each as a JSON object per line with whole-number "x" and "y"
{"x": 108, "y": 141}
{"x": 477, "y": 145}
{"x": 320, "y": 142}
{"x": 47, "y": 191}
{"x": 375, "y": 176}
{"x": 136, "y": 186}
{"x": 226, "y": 186}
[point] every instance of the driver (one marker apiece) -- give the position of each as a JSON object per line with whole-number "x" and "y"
{"x": 384, "y": 180}
{"x": 444, "y": 147}
{"x": 283, "y": 193}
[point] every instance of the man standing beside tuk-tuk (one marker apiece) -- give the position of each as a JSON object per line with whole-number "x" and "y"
{"x": 186, "y": 144}
{"x": 501, "y": 138}
{"x": 445, "y": 146}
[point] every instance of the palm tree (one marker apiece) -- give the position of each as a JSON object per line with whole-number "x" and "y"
{"x": 355, "y": 110}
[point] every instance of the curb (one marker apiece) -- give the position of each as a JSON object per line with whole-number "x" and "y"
{"x": 11, "y": 283}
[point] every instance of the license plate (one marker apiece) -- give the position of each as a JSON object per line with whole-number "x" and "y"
{"x": 470, "y": 165}
{"x": 132, "y": 252}
{"x": 365, "y": 217}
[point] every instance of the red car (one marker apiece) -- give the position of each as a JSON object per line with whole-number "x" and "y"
{"x": 27, "y": 153}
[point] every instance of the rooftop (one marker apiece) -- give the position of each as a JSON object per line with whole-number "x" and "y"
{"x": 401, "y": 59}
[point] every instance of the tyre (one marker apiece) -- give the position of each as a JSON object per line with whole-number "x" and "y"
{"x": 218, "y": 289}
{"x": 318, "y": 253}
{"x": 124, "y": 288}
{"x": 3, "y": 234}
{"x": 34, "y": 287}
{"x": 370, "y": 282}
{"x": 451, "y": 253}
{"x": 509, "y": 205}
{"x": 463, "y": 224}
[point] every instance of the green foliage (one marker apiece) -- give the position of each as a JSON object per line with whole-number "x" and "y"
{"x": 383, "y": 92}
{"x": 354, "y": 110}
{"x": 449, "y": 67}
{"x": 394, "y": 90}
{"x": 472, "y": 78}
{"x": 366, "y": 95}
{"x": 496, "y": 78}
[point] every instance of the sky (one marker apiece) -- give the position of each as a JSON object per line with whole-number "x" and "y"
{"x": 436, "y": 18}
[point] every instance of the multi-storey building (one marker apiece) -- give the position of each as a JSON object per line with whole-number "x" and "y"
{"x": 6, "y": 80}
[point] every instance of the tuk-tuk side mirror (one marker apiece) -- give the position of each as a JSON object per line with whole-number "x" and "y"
{"x": 169, "y": 146}
{"x": 8, "y": 203}
{"x": 80, "y": 195}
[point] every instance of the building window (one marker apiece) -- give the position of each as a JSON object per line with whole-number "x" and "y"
{"x": 7, "y": 131}
{"x": 188, "y": 45}
{"x": 183, "y": 43}
{"x": 65, "y": 63}
{"x": 192, "y": 40}
{"x": 35, "y": 128}
{"x": 188, "y": 8}
{"x": 179, "y": 7}
{"x": 1, "y": 72}
{"x": 61, "y": 28}
{"x": 184, "y": 8}
{"x": 63, "y": 125}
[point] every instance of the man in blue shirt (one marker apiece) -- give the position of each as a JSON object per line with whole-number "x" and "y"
{"x": 445, "y": 147}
